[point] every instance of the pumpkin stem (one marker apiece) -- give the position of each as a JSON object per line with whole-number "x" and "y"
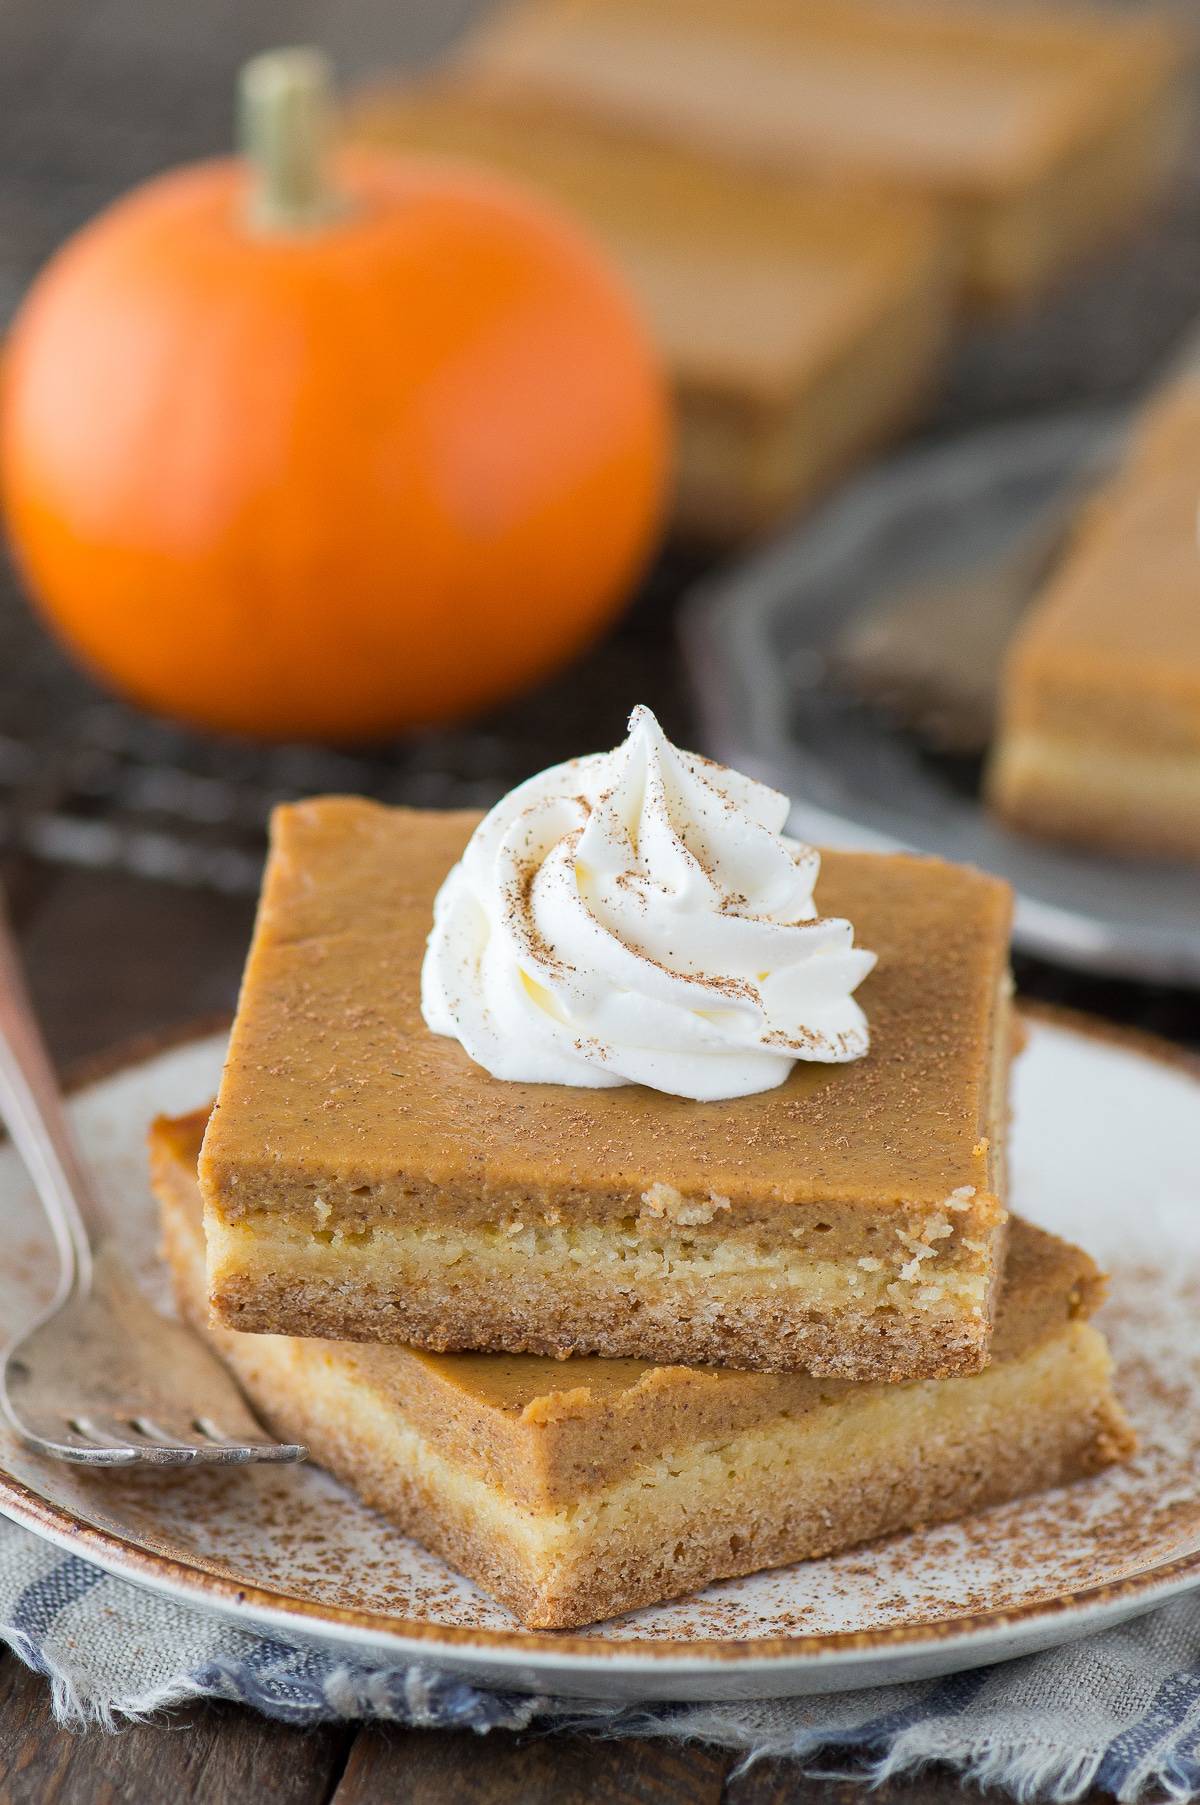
{"x": 285, "y": 108}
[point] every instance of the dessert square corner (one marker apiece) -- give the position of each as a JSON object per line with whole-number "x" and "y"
{"x": 364, "y": 1180}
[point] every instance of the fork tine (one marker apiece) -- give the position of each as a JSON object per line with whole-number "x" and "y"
{"x": 82, "y": 1439}
{"x": 211, "y": 1433}
{"x": 150, "y": 1429}
{"x": 100, "y": 1341}
{"x": 111, "y": 1433}
{"x": 105, "y": 1431}
{"x": 256, "y": 1448}
{"x": 78, "y": 1433}
{"x": 147, "y": 1393}
{"x": 170, "y": 1446}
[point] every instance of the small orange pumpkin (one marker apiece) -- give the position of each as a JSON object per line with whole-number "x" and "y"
{"x": 298, "y": 458}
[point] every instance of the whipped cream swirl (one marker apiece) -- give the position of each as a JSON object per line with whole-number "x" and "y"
{"x": 638, "y": 917}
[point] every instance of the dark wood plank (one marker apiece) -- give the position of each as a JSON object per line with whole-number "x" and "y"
{"x": 110, "y": 956}
{"x": 440, "y": 1767}
{"x": 218, "y": 1753}
{"x": 779, "y": 1783}
{"x": 23, "y": 884}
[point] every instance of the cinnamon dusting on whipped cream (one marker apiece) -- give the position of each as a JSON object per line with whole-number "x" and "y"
{"x": 639, "y": 916}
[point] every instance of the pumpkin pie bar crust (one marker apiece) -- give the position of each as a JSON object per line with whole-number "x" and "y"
{"x": 573, "y": 1491}
{"x": 364, "y": 1180}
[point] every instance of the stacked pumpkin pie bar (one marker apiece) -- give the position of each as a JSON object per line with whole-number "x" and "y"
{"x": 604, "y": 1213}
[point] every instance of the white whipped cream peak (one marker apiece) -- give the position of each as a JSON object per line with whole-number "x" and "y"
{"x": 638, "y": 917}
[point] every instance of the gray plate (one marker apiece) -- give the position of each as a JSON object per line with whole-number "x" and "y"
{"x": 759, "y": 641}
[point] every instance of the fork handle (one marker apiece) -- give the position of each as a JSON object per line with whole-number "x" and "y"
{"x": 31, "y": 1109}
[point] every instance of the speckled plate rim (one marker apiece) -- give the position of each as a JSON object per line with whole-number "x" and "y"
{"x": 794, "y": 1661}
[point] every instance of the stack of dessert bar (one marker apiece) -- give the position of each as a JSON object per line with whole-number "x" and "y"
{"x": 598, "y": 1347}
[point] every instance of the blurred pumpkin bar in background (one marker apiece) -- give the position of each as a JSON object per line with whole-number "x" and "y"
{"x": 1099, "y": 741}
{"x": 1040, "y": 131}
{"x": 803, "y": 320}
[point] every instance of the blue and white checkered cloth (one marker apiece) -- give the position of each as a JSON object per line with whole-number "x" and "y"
{"x": 1121, "y": 1711}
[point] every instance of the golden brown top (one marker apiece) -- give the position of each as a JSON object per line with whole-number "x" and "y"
{"x": 548, "y": 1428}
{"x": 749, "y": 282}
{"x": 332, "y": 1075}
{"x": 1121, "y": 615}
{"x": 960, "y": 99}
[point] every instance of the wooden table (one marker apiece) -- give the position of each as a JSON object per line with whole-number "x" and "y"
{"x": 92, "y": 100}
{"x": 220, "y": 1755}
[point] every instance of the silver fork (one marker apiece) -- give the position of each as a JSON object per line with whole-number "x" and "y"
{"x": 101, "y": 1378}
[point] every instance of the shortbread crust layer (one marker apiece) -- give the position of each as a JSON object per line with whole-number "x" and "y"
{"x": 1099, "y": 740}
{"x": 574, "y": 1491}
{"x": 743, "y": 1307}
{"x": 364, "y": 1179}
{"x": 1113, "y": 796}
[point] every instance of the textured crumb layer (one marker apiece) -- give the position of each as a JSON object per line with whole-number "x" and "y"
{"x": 872, "y": 1460}
{"x": 828, "y": 1318}
{"x": 547, "y": 1431}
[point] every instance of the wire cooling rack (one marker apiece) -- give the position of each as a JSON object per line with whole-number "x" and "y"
{"x": 93, "y": 100}
{"x": 85, "y": 780}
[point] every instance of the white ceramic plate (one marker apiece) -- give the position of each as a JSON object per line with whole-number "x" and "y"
{"x": 1105, "y": 1142}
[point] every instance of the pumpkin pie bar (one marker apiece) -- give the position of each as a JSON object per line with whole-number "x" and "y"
{"x": 572, "y": 1491}
{"x": 363, "y": 1179}
{"x": 1039, "y": 131}
{"x": 803, "y": 322}
{"x": 1099, "y": 740}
